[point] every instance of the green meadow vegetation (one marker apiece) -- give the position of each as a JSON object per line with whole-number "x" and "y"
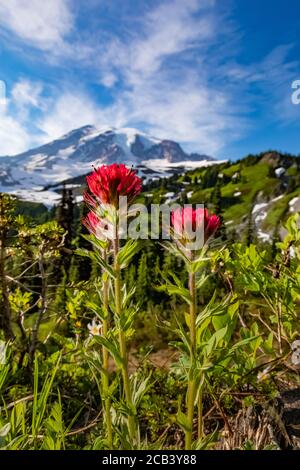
{"x": 136, "y": 345}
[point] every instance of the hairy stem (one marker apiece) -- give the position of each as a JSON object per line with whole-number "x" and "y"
{"x": 191, "y": 391}
{"x": 200, "y": 413}
{"x": 105, "y": 375}
{"x": 122, "y": 341}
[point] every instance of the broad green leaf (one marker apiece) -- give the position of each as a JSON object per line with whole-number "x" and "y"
{"x": 215, "y": 340}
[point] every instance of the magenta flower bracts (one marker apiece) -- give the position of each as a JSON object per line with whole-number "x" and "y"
{"x": 187, "y": 220}
{"x": 108, "y": 182}
{"x": 189, "y": 224}
{"x": 99, "y": 227}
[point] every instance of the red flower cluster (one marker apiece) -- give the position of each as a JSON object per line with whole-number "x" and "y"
{"x": 95, "y": 225}
{"x": 109, "y": 182}
{"x": 194, "y": 219}
{"x": 91, "y": 221}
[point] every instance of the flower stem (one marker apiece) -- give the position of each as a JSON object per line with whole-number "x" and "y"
{"x": 105, "y": 375}
{"x": 191, "y": 391}
{"x": 105, "y": 381}
{"x": 122, "y": 342}
{"x": 200, "y": 413}
{"x": 279, "y": 324}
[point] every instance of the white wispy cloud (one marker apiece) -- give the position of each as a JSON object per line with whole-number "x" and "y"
{"x": 169, "y": 29}
{"x": 14, "y": 138}
{"x": 26, "y": 95}
{"x": 25, "y": 92}
{"x": 166, "y": 84}
{"x": 16, "y": 135}
{"x": 159, "y": 85}
{"x": 264, "y": 86}
{"x": 68, "y": 111}
{"x": 175, "y": 71}
{"x": 43, "y": 24}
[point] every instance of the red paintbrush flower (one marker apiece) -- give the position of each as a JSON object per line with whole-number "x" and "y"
{"x": 90, "y": 201}
{"x": 108, "y": 182}
{"x": 99, "y": 227}
{"x": 213, "y": 224}
{"x": 187, "y": 220}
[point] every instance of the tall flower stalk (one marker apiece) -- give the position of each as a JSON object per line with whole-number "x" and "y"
{"x": 107, "y": 184}
{"x": 122, "y": 341}
{"x": 191, "y": 391}
{"x": 186, "y": 221}
{"x": 95, "y": 227}
{"x": 105, "y": 358}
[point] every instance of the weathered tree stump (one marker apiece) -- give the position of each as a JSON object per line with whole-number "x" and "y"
{"x": 275, "y": 424}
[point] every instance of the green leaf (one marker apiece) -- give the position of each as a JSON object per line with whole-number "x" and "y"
{"x": 139, "y": 388}
{"x": 207, "y": 442}
{"x": 215, "y": 340}
{"x": 96, "y": 256}
{"x": 187, "y": 318}
{"x": 175, "y": 250}
{"x": 171, "y": 289}
{"x": 228, "y": 318}
{"x": 112, "y": 348}
{"x": 201, "y": 281}
{"x": 97, "y": 309}
{"x": 5, "y": 430}
{"x": 268, "y": 344}
{"x": 198, "y": 263}
{"x": 183, "y": 422}
{"x": 127, "y": 296}
{"x": 99, "y": 244}
{"x": 127, "y": 318}
{"x": 126, "y": 253}
{"x": 40, "y": 398}
{"x": 241, "y": 343}
{"x": 104, "y": 265}
{"x": 212, "y": 309}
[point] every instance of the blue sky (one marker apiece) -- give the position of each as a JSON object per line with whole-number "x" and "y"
{"x": 214, "y": 75}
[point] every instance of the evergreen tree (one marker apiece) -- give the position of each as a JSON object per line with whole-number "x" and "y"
{"x": 65, "y": 218}
{"x": 250, "y": 231}
{"x": 81, "y": 267}
{"x": 216, "y": 200}
{"x": 183, "y": 199}
{"x": 130, "y": 276}
{"x": 7, "y": 208}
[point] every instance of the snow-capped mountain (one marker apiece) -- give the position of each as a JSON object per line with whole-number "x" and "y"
{"x": 35, "y": 175}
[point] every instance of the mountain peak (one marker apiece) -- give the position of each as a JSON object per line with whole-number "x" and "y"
{"x": 76, "y": 152}
{"x": 79, "y": 131}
